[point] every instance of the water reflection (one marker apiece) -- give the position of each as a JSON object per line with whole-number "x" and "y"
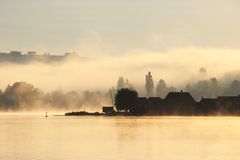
{"x": 140, "y": 138}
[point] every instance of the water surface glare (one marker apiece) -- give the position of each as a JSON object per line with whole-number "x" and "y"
{"x": 119, "y": 138}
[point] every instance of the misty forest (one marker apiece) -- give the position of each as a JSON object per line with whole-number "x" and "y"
{"x": 25, "y": 96}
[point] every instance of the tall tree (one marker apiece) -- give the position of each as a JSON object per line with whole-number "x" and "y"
{"x": 149, "y": 86}
{"x": 124, "y": 83}
{"x": 234, "y": 88}
{"x": 120, "y": 83}
{"x": 214, "y": 89}
{"x": 202, "y": 71}
{"x": 161, "y": 89}
{"x": 128, "y": 84}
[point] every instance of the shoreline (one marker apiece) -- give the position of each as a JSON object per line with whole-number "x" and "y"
{"x": 83, "y": 113}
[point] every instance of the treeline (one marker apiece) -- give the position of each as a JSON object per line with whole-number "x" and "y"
{"x": 210, "y": 88}
{"x": 24, "y": 96}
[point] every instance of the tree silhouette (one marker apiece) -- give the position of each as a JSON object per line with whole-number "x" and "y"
{"x": 124, "y": 83}
{"x": 21, "y": 94}
{"x": 214, "y": 89}
{"x": 149, "y": 86}
{"x": 161, "y": 89}
{"x": 128, "y": 84}
{"x": 202, "y": 71}
{"x": 234, "y": 88}
{"x": 120, "y": 83}
{"x": 125, "y": 99}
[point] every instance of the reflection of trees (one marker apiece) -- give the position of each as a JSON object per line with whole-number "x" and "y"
{"x": 126, "y": 128}
{"x": 134, "y": 132}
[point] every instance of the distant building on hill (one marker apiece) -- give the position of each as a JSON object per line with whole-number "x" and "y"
{"x": 72, "y": 54}
{"x": 31, "y": 56}
{"x": 31, "y": 53}
{"x": 15, "y": 53}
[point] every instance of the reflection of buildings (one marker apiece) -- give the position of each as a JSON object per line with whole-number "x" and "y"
{"x": 182, "y": 103}
{"x": 18, "y": 57}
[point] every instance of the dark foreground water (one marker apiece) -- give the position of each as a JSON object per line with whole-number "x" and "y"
{"x": 119, "y": 138}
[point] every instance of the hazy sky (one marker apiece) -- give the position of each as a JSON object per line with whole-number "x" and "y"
{"x": 118, "y": 26}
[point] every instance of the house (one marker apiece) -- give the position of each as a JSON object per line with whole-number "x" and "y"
{"x": 15, "y": 53}
{"x": 179, "y": 103}
{"x": 207, "y": 106}
{"x": 141, "y": 106}
{"x": 108, "y": 110}
{"x": 229, "y": 104}
{"x": 182, "y": 103}
{"x": 31, "y": 53}
{"x": 175, "y": 103}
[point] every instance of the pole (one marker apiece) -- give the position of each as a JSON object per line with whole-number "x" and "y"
{"x": 111, "y": 96}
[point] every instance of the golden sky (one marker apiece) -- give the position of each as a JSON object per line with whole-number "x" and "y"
{"x": 117, "y": 27}
{"x": 127, "y": 38}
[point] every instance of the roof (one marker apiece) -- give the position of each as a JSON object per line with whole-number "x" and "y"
{"x": 107, "y": 107}
{"x": 228, "y": 97}
{"x": 208, "y": 101}
{"x": 175, "y": 96}
{"x": 155, "y": 98}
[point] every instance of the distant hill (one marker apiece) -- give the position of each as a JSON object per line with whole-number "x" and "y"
{"x": 32, "y": 56}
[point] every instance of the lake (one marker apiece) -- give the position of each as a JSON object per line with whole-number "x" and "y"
{"x": 34, "y": 137}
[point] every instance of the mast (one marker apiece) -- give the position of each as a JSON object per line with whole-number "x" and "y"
{"x": 111, "y": 96}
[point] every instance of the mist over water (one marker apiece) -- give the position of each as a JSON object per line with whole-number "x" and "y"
{"x": 107, "y": 138}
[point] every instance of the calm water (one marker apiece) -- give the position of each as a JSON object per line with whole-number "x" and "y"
{"x": 119, "y": 138}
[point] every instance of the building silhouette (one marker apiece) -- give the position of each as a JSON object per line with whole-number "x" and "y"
{"x": 182, "y": 103}
{"x": 31, "y": 56}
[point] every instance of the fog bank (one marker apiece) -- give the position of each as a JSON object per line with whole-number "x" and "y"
{"x": 177, "y": 66}
{"x": 85, "y": 84}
